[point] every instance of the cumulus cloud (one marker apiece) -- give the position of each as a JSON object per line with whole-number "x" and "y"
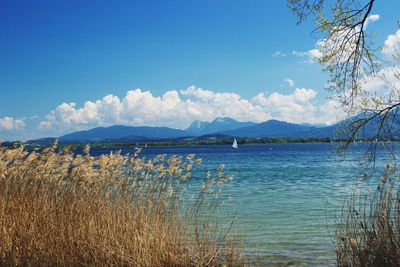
{"x": 297, "y": 107}
{"x": 178, "y": 108}
{"x": 383, "y": 83}
{"x": 173, "y": 108}
{"x": 289, "y": 82}
{"x": 391, "y": 46}
{"x": 371, "y": 18}
{"x": 330, "y": 112}
{"x": 311, "y": 55}
{"x": 377, "y": 91}
{"x": 11, "y": 124}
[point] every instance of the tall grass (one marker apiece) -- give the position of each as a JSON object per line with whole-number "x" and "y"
{"x": 60, "y": 208}
{"x": 369, "y": 231}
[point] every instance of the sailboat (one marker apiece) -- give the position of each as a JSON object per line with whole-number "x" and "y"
{"x": 234, "y": 145}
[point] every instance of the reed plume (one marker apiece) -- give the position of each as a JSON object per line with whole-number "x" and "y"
{"x": 60, "y": 208}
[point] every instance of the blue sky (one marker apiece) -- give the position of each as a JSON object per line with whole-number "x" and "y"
{"x": 55, "y": 52}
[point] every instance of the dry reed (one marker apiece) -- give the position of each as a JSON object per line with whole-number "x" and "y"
{"x": 368, "y": 233}
{"x": 60, "y": 208}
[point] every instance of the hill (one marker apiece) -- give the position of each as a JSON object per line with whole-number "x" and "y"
{"x": 130, "y": 133}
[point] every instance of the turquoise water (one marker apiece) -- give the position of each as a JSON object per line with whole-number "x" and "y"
{"x": 285, "y": 196}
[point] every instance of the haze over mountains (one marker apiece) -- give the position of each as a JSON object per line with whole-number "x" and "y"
{"x": 218, "y": 128}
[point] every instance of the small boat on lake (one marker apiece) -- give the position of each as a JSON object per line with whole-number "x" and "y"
{"x": 235, "y": 145}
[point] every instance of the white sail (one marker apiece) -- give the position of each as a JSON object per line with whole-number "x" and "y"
{"x": 234, "y": 145}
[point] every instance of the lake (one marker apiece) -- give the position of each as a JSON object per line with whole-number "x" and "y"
{"x": 285, "y": 196}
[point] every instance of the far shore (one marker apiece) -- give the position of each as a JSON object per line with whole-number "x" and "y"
{"x": 198, "y": 142}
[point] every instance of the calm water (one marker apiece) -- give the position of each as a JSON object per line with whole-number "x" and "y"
{"x": 286, "y": 195}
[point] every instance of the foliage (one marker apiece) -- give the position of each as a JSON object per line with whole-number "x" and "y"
{"x": 348, "y": 54}
{"x": 368, "y": 232}
{"x": 346, "y": 51}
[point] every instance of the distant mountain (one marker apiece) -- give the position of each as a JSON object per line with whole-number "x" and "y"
{"x": 273, "y": 129}
{"x": 197, "y": 126}
{"x": 390, "y": 128}
{"x": 219, "y": 124}
{"x": 222, "y": 128}
{"x": 122, "y": 132}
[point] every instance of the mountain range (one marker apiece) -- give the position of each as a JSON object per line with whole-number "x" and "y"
{"x": 218, "y": 128}
{"x": 219, "y": 124}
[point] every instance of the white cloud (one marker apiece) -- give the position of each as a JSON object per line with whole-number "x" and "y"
{"x": 278, "y": 54}
{"x": 315, "y": 53}
{"x": 289, "y": 82}
{"x": 371, "y": 18}
{"x": 384, "y": 84}
{"x": 326, "y": 46}
{"x": 376, "y": 92}
{"x": 297, "y": 107}
{"x": 179, "y": 108}
{"x": 391, "y": 46}
{"x": 218, "y": 104}
{"x": 330, "y": 112}
{"x": 11, "y": 124}
{"x": 312, "y": 55}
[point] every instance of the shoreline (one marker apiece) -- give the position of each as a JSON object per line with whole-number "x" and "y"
{"x": 208, "y": 142}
